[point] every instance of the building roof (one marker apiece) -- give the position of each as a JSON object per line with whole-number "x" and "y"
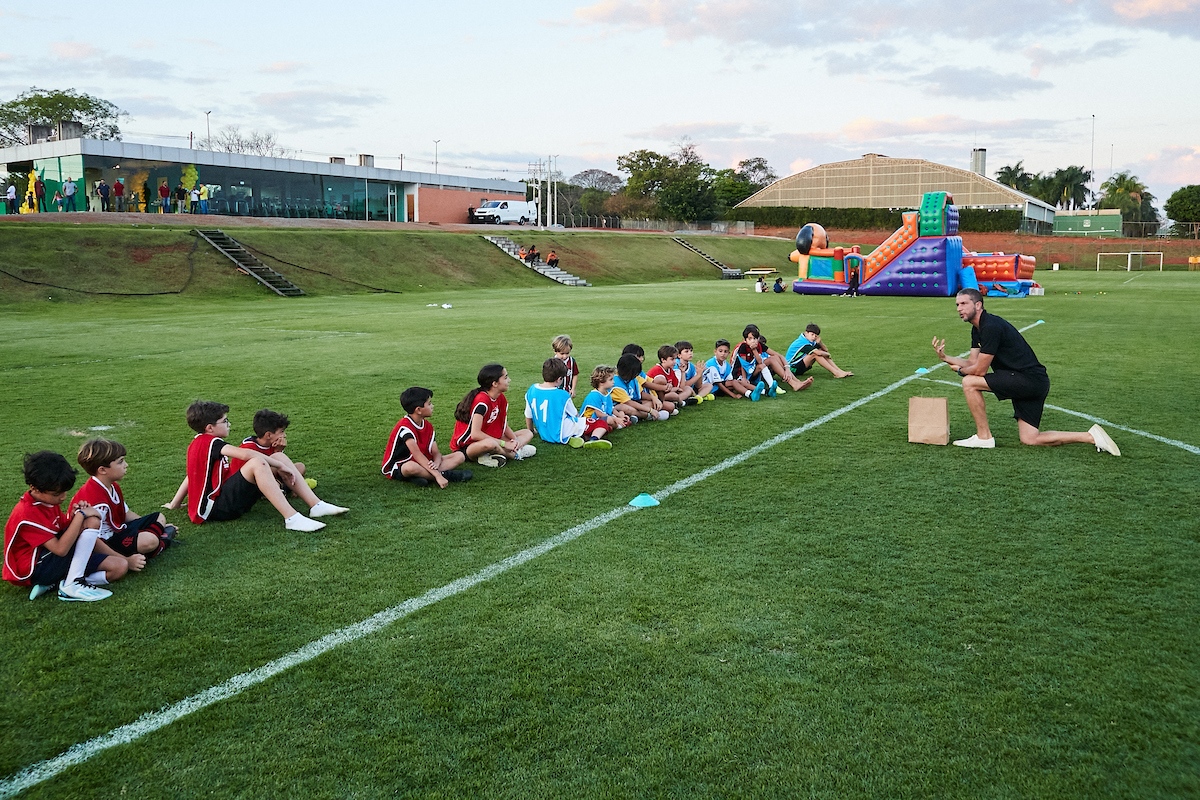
{"x": 183, "y": 155}
{"x": 876, "y": 181}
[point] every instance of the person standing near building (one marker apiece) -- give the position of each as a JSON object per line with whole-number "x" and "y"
{"x": 68, "y": 189}
{"x": 181, "y": 198}
{"x": 204, "y": 198}
{"x": 39, "y": 192}
{"x": 195, "y": 197}
{"x": 103, "y": 190}
{"x": 118, "y": 191}
{"x": 1016, "y": 374}
{"x": 10, "y": 199}
{"x": 164, "y": 198}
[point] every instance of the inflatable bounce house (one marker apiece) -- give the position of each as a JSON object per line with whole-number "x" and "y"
{"x": 925, "y": 258}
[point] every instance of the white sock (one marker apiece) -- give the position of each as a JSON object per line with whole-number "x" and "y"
{"x": 292, "y": 517}
{"x": 98, "y": 578}
{"x": 83, "y": 551}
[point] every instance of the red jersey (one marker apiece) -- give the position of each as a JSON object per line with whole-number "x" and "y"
{"x": 109, "y": 502}
{"x": 495, "y": 417}
{"x": 30, "y": 525}
{"x": 671, "y": 375}
{"x": 207, "y": 471}
{"x": 397, "y": 453}
{"x": 572, "y": 371}
{"x": 250, "y": 443}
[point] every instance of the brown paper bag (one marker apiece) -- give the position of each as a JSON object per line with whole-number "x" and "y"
{"x": 928, "y": 420}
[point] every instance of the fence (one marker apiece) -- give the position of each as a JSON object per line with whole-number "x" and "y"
{"x": 740, "y": 227}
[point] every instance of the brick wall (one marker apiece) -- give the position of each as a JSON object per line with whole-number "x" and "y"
{"x": 436, "y": 204}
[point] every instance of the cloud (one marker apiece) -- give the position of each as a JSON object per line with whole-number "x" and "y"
{"x": 154, "y": 107}
{"x": 977, "y": 83}
{"x": 80, "y": 54}
{"x": 701, "y": 132}
{"x": 74, "y": 51}
{"x": 873, "y": 130}
{"x": 315, "y": 108}
{"x": 1039, "y": 57}
{"x": 283, "y": 67}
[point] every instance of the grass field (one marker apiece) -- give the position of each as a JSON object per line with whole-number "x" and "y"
{"x": 842, "y": 614}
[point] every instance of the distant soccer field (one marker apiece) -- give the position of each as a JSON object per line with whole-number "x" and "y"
{"x": 839, "y": 614}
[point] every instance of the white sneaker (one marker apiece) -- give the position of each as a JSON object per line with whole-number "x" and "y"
{"x": 1103, "y": 441}
{"x": 975, "y": 441}
{"x": 323, "y": 509}
{"x": 675, "y": 412}
{"x": 38, "y": 590}
{"x": 81, "y": 590}
{"x": 492, "y": 460}
{"x": 299, "y": 522}
{"x": 527, "y": 451}
{"x": 662, "y": 416}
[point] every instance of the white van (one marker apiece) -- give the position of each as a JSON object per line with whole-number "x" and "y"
{"x": 505, "y": 211}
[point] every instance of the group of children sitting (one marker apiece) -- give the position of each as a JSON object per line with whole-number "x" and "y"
{"x": 620, "y": 396}
{"x": 530, "y": 255}
{"x": 100, "y": 539}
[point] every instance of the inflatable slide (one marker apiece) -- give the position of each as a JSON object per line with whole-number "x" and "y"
{"x": 923, "y": 258}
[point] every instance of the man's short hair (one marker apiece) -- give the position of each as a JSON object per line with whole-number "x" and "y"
{"x": 975, "y": 295}
{"x": 203, "y": 413}
{"x": 667, "y": 351}
{"x": 682, "y": 345}
{"x": 97, "y": 453}
{"x": 813, "y": 327}
{"x": 554, "y": 370}
{"x": 414, "y": 397}
{"x": 268, "y": 421}
{"x": 721, "y": 343}
{"x": 602, "y": 373}
{"x": 635, "y": 349}
{"x": 48, "y": 471}
{"x": 562, "y": 343}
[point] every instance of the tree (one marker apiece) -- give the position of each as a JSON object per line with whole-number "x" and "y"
{"x": 1016, "y": 177}
{"x": 1184, "y": 204}
{"x": 756, "y": 172}
{"x": 101, "y": 119}
{"x": 1125, "y": 192}
{"x": 230, "y": 139}
{"x": 597, "y": 179}
{"x": 646, "y": 169}
{"x": 592, "y": 201}
{"x": 1072, "y": 184}
{"x": 729, "y": 189}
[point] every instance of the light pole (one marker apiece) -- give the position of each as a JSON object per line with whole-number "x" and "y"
{"x": 1093, "y": 167}
{"x": 435, "y": 164}
{"x": 208, "y": 127}
{"x": 553, "y": 190}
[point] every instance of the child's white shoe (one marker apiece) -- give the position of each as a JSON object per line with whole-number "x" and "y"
{"x": 299, "y": 522}
{"x": 79, "y": 589}
{"x": 526, "y": 451}
{"x": 323, "y": 509}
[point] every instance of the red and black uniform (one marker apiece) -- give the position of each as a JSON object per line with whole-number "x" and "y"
{"x": 495, "y": 417}
{"x": 30, "y": 525}
{"x": 207, "y": 472}
{"x": 120, "y": 532}
{"x": 398, "y": 453}
{"x": 572, "y": 372}
{"x": 672, "y": 375}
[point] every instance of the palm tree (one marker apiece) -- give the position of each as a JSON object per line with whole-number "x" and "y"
{"x": 1016, "y": 177}
{"x": 1125, "y": 192}
{"x": 1072, "y": 185}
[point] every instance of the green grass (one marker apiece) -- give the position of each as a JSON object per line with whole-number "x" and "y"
{"x": 842, "y": 615}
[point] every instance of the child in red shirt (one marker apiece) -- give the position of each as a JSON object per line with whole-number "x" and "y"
{"x": 123, "y": 530}
{"x": 412, "y": 453}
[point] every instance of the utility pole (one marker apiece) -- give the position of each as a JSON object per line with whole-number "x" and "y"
{"x": 1093, "y": 167}
{"x": 435, "y": 160}
{"x": 208, "y": 127}
{"x": 402, "y": 162}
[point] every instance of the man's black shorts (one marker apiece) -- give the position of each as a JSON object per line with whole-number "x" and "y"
{"x": 237, "y": 496}
{"x": 1027, "y": 391}
{"x": 51, "y": 568}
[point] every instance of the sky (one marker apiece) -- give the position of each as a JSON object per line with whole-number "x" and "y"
{"x": 1104, "y": 84}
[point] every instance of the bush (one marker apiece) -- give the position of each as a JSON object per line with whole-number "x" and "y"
{"x": 970, "y": 220}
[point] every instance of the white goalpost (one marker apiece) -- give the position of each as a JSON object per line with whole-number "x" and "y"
{"x": 1128, "y": 260}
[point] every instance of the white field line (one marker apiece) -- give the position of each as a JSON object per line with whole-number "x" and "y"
{"x": 148, "y": 723}
{"x": 1191, "y": 448}
{"x": 1134, "y": 278}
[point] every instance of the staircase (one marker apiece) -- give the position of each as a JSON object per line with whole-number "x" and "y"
{"x": 726, "y": 272}
{"x": 538, "y": 266}
{"x": 248, "y": 264}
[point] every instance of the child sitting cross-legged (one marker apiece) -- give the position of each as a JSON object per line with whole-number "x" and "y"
{"x": 45, "y": 546}
{"x": 718, "y": 371}
{"x": 691, "y": 377}
{"x": 598, "y": 413}
{"x": 120, "y": 528}
{"x": 550, "y": 411}
{"x": 627, "y": 392}
{"x": 481, "y": 430}
{"x": 412, "y": 453}
{"x": 216, "y": 491}
{"x": 270, "y": 439}
{"x": 666, "y": 381}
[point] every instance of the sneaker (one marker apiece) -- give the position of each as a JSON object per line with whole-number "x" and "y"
{"x": 674, "y": 412}
{"x": 299, "y": 522}
{"x": 38, "y": 590}
{"x": 576, "y": 442}
{"x": 663, "y": 416}
{"x": 772, "y": 389}
{"x": 418, "y": 481}
{"x": 779, "y": 389}
{"x": 492, "y": 460}
{"x": 757, "y": 393}
{"x": 458, "y": 475}
{"x": 82, "y": 591}
{"x": 975, "y": 441}
{"x": 527, "y": 451}
{"x": 170, "y": 532}
{"x": 312, "y": 482}
{"x": 634, "y": 420}
{"x": 597, "y": 444}
{"x": 323, "y": 509}
{"x": 1104, "y": 442}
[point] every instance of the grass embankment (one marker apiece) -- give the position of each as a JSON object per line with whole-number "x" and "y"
{"x": 842, "y": 615}
{"x": 144, "y": 259}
